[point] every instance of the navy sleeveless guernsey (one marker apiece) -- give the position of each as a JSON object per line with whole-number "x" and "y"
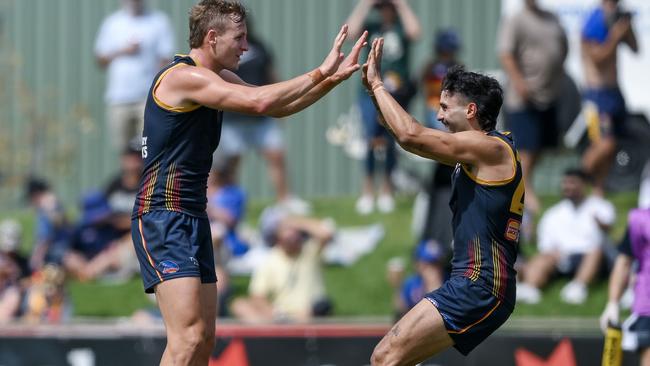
{"x": 177, "y": 148}
{"x": 486, "y": 221}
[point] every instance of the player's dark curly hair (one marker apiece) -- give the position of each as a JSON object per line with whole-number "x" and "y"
{"x": 482, "y": 90}
{"x": 213, "y": 14}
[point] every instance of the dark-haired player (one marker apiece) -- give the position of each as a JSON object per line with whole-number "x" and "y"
{"x": 487, "y": 204}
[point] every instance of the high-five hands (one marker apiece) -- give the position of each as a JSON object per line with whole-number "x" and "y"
{"x": 335, "y": 57}
{"x": 351, "y": 63}
{"x": 371, "y": 70}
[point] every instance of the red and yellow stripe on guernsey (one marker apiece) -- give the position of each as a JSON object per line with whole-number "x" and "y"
{"x": 172, "y": 197}
{"x": 144, "y": 245}
{"x": 149, "y": 185}
{"x": 498, "y": 270}
{"x": 474, "y": 252}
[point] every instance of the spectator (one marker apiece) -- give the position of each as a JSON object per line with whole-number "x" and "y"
{"x": 122, "y": 189}
{"x": 10, "y": 240}
{"x": 429, "y": 257}
{"x": 226, "y": 208}
{"x": 438, "y": 213}
{"x": 97, "y": 246}
{"x": 399, "y": 26}
{"x": 133, "y": 43}
{"x": 45, "y": 298}
{"x": 533, "y": 47}
{"x": 445, "y": 55}
{"x": 571, "y": 237}
{"x": 635, "y": 247}
{"x": 10, "y": 295}
{"x": 52, "y": 226}
{"x": 289, "y": 285}
{"x": 605, "y": 28}
{"x": 242, "y": 133}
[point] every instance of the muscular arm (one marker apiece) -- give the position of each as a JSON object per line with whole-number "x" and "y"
{"x": 347, "y": 68}
{"x": 469, "y": 147}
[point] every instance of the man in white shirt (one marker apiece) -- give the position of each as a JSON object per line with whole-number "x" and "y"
{"x": 571, "y": 235}
{"x": 132, "y": 43}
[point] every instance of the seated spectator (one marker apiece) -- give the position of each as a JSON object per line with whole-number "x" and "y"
{"x": 52, "y": 226}
{"x": 122, "y": 189}
{"x": 10, "y": 296}
{"x": 45, "y": 297}
{"x": 571, "y": 238}
{"x": 97, "y": 246}
{"x": 10, "y": 240}
{"x": 429, "y": 257}
{"x": 289, "y": 285}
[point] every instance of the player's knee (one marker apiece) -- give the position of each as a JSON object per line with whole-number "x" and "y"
{"x": 189, "y": 342}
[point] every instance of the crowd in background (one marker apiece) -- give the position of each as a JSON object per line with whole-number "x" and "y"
{"x": 572, "y": 237}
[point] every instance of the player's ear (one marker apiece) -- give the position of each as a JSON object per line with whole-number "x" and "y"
{"x": 472, "y": 110}
{"x": 211, "y": 37}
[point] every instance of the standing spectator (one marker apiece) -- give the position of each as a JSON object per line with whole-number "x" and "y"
{"x": 635, "y": 247}
{"x": 606, "y": 28}
{"x": 571, "y": 237}
{"x": 241, "y": 133}
{"x": 289, "y": 285}
{"x": 438, "y": 213}
{"x": 52, "y": 226}
{"x": 533, "y": 47}
{"x": 399, "y": 26}
{"x": 133, "y": 43}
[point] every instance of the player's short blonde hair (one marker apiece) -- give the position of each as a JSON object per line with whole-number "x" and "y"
{"x": 213, "y": 14}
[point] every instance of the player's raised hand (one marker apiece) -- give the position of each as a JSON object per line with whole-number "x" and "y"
{"x": 351, "y": 63}
{"x": 371, "y": 70}
{"x": 335, "y": 57}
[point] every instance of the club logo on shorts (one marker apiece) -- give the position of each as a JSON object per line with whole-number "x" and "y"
{"x": 512, "y": 230}
{"x": 169, "y": 267}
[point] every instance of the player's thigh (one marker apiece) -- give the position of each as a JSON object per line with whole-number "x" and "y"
{"x": 420, "y": 334}
{"x": 179, "y": 300}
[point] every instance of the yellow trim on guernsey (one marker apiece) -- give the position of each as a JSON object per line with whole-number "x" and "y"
{"x": 495, "y": 182}
{"x": 166, "y": 106}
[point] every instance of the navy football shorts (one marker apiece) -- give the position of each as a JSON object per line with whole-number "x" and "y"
{"x": 470, "y": 312}
{"x": 172, "y": 245}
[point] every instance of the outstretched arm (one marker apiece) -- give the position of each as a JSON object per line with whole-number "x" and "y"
{"x": 349, "y": 66}
{"x": 187, "y": 86}
{"x": 470, "y": 147}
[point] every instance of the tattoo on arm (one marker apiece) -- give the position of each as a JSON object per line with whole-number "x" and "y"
{"x": 395, "y": 330}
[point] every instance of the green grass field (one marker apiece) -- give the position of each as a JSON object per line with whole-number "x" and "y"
{"x": 360, "y": 290}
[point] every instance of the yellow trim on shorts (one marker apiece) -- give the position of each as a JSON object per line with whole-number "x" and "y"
{"x": 476, "y": 322}
{"x": 144, "y": 245}
{"x": 495, "y": 182}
